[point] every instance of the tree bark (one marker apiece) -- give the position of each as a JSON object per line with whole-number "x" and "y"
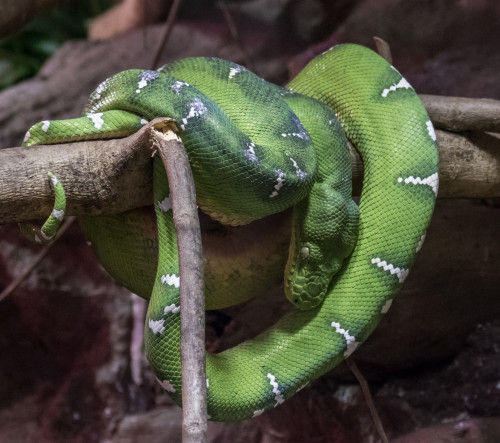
{"x": 112, "y": 176}
{"x": 459, "y": 114}
{"x": 192, "y": 286}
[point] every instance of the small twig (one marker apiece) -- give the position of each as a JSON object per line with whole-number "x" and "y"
{"x": 38, "y": 258}
{"x": 169, "y": 25}
{"x": 368, "y": 398}
{"x": 187, "y": 226}
{"x": 233, "y": 29}
{"x": 139, "y": 307}
{"x": 383, "y": 49}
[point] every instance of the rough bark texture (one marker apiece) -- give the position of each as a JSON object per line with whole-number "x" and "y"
{"x": 463, "y": 114}
{"x": 192, "y": 295}
{"x": 433, "y": 361}
{"x": 112, "y": 176}
{"x": 99, "y": 177}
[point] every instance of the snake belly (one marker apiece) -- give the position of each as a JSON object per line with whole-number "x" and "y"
{"x": 384, "y": 119}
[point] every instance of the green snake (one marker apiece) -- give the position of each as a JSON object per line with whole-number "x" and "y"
{"x": 256, "y": 149}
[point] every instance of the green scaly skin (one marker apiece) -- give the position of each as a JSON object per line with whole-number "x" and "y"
{"x": 47, "y": 232}
{"x": 256, "y": 149}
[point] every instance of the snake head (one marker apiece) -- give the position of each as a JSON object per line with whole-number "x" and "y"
{"x": 305, "y": 279}
{"x": 324, "y": 232}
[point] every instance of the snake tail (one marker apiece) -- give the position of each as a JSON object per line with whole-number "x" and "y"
{"x": 47, "y": 232}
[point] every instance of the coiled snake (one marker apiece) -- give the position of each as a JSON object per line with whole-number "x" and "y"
{"x": 257, "y": 149}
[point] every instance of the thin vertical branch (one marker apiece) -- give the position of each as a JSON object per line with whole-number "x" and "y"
{"x": 169, "y": 25}
{"x": 187, "y": 226}
{"x": 383, "y": 49}
{"x": 233, "y": 29}
{"x": 139, "y": 307}
{"x": 368, "y": 398}
{"x": 38, "y": 258}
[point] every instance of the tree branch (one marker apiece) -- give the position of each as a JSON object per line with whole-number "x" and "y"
{"x": 460, "y": 114}
{"x": 112, "y": 176}
{"x": 99, "y": 177}
{"x": 13, "y": 285}
{"x": 169, "y": 25}
{"x": 192, "y": 287}
{"x": 365, "y": 388}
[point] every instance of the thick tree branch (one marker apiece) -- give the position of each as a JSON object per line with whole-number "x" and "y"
{"x": 459, "y": 114}
{"x": 100, "y": 177}
{"x": 111, "y": 176}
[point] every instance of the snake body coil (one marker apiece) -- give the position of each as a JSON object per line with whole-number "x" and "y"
{"x": 257, "y": 149}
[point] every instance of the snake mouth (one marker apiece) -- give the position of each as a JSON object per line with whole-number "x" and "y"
{"x": 304, "y": 291}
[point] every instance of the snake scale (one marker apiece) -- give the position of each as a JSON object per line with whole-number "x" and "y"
{"x": 256, "y": 149}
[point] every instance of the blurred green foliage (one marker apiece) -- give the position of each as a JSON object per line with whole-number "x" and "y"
{"x": 23, "y": 53}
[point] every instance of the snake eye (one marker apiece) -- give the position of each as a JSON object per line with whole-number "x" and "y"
{"x": 304, "y": 252}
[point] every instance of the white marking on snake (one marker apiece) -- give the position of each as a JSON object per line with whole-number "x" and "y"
{"x": 432, "y": 181}
{"x": 401, "y": 84}
{"x": 96, "y": 119}
{"x": 300, "y": 173}
{"x": 145, "y": 77}
{"x": 156, "y": 326}
{"x": 26, "y": 136}
{"x": 235, "y": 70}
{"x": 100, "y": 89}
{"x": 386, "y": 306}
{"x": 172, "y": 308}
{"x": 421, "y": 242}
{"x": 54, "y": 180}
{"x": 178, "y": 85}
{"x": 250, "y": 153}
{"x": 208, "y": 384}
{"x": 197, "y": 109}
{"x": 302, "y": 135}
{"x": 302, "y": 387}
{"x": 171, "y": 280}
{"x": 45, "y": 125}
{"x": 258, "y": 412}
{"x": 165, "y": 205}
{"x": 46, "y": 236}
{"x": 279, "y": 184}
{"x": 400, "y": 273}
{"x": 301, "y": 131}
{"x": 430, "y": 128}
{"x": 144, "y": 121}
{"x": 165, "y": 384}
{"x": 278, "y": 396}
{"x": 351, "y": 342}
{"x": 59, "y": 214}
